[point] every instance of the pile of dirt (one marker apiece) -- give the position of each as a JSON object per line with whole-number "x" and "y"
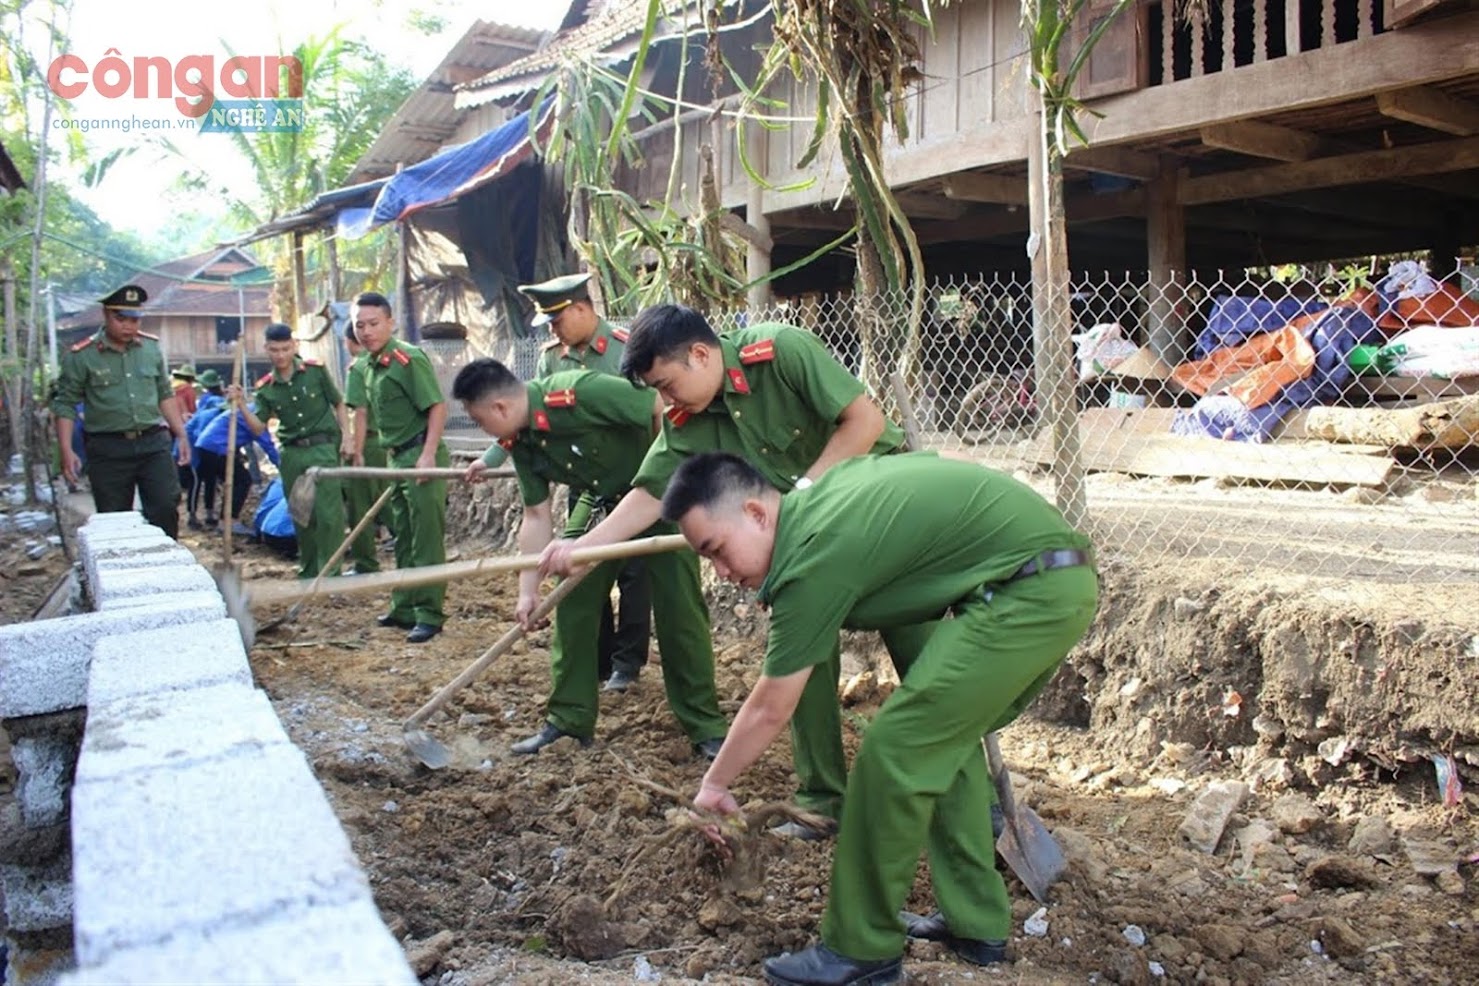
{"x": 1358, "y": 878}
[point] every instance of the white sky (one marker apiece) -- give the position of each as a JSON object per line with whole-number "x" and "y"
{"x": 134, "y": 192}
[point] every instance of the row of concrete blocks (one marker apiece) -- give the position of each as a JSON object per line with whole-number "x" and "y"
{"x": 202, "y": 847}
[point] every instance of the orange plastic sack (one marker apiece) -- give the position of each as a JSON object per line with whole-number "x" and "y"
{"x": 1268, "y": 363}
{"x": 1446, "y": 306}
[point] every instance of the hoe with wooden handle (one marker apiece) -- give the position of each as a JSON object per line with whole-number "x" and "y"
{"x": 1025, "y": 843}
{"x": 241, "y": 599}
{"x": 426, "y": 747}
{"x": 305, "y": 490}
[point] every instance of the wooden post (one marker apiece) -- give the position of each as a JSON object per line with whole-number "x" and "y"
{"x": 1166, "y": 248}
{"x": 1052, "y": 319}
{"x": 300, "y": 281}
{"x": 14, "y": 362}
{"x": 757, "y": 261}
{"x": 331, "y": 254}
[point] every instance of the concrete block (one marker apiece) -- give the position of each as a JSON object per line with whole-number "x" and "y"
{"x": 173, "y": 729}
{"x": 37, "y": 898}
{"x": 32, "y": 966}
{"x": 166, "y": 659}
{"x": 229, "y": 841}
{"x": 122, "y": 519}
{"x": 343, "y": 944}
{"x": 25, "y": 845}
{"x": 91, "y": 539}
{"x": 43, "y": 664}
{"x": 44, "y": 766}
{"x": 98, "y": 555}
{"x": 134, "y": 587}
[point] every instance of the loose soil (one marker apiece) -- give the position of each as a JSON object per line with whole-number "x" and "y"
{"x": 1326, "y": 697}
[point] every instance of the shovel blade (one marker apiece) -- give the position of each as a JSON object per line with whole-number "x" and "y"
{"x": 301, "y": 497}
{"x": 238, "y": 606}
{"x": 426, "y": 748}
{"x": 1032, "y": 852}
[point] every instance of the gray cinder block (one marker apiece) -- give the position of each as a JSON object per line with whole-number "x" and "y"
{"x": 167, "y": 659}
{"x": 135, "y": 587}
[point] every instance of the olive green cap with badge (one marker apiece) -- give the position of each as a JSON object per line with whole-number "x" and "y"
{"x": 555, "y": 295}
{"x": 210, "y": 378}
{"x": 126, "y": 301}
{"x": 186, "y": 372}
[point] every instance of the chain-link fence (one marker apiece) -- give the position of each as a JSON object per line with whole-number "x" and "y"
{"x": 1314, "y": 422}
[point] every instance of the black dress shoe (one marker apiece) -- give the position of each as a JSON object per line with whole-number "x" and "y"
{"x": 806, "y": 833}
{"x": 820, "y": 966}
{"x": 421, "y": 633}
{"x": 709, "y": 748}
{"x": 981, "y": 951}
{"x": 549, "y": 734}
{"x": 391, "y": 620}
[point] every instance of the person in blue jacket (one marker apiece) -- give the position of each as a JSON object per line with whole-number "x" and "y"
{"x": 211, "y": 444}
{"x": 212, "y": 402}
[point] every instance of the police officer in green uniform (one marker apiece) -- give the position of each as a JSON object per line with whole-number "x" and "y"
{"x": 302, "y": 396}
{"x": 889, "y": 542}
{"x": 590, "y": 431}
{"x": 119, "y": 377}
{"x": 405, "y": 400}
{"x": 774, "y": 395}
{"x": 360, "y": 494}
{"x": 584, "y": 340}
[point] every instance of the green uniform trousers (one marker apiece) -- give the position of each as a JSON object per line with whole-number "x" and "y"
{"x": 118, "y": 466}
{"x": 921, "y": 780}
{"x": 683, "y": 639}
{"x": 419, "y": 516}
{"x": 359, "y": 496}
{"x": 322, "y": 536}
{"x": 816, "y": 725}
{"x": 624, "y": 634}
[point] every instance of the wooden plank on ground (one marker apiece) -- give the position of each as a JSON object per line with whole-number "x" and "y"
{"x": 1450, "y": 424}
{"x": 1108, "y": 445}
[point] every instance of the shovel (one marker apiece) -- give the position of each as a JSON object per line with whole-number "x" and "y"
{"x": 305, "y": 490}
{"x": 1025, "y": 843}
{"x": 240, "y": 599}
{"x": 334, "y": 559}
{"x": 426, "y": 747}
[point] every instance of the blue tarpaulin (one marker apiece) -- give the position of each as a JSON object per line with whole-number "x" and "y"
{"x": 459, "y": 170}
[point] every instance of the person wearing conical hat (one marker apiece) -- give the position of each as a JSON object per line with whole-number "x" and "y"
{"x": 119, "y": 377}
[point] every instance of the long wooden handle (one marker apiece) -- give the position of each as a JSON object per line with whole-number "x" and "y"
{"x": 1001, "y": 776}
{"x": 912, "y": 438}
{"x": 383, "y": 472}
{"x": 499, "y": 648}
{"x": 228, "y": 515}
{"x": 411, "y": 578}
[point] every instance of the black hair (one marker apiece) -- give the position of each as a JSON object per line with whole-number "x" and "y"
{"x": 278, "y": 332}
{"x": 663, "y": 332}
{"x": 706, "y": 479}
{"x": 482, "y": 377}
{"x": 349, "y": 331}
{"x": 373, "y": 299}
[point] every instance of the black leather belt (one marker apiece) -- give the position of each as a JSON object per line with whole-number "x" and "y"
{"x": 418, "y": 439}
{"x": 127, "y": 435}
{"x": 308, "y": 441}
{"x": 1047, "y": 561}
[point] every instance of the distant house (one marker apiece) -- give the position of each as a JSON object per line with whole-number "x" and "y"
{"x": 198, "y": 306}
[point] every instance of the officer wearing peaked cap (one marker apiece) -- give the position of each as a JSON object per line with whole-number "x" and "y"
{"x": 583, "y": 340}
{"x": 120, "y": 379}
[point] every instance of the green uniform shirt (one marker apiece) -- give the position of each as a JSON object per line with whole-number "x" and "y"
{"x": 587, "y": 430}
{"x": 782, "y": 395}
{"x": 120, "y": 390}
{"x": 400, "y": 388}
{"x": 356, "y": 395}
{"x": 303, "y": 404}
{"x": 888, "y": 541}
{"x": 601, "y": 353}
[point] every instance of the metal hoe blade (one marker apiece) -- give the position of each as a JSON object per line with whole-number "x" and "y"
{"x": 228, "y": 581}
{"x": 427, "y": 748}
{"x": 1025, "y": 843}
{"x": 301, "y": 497}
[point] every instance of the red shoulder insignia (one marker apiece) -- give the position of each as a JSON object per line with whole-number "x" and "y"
{"x": 149, "y": 335}
{"x": 401, "y": 357}
{"x": 541, "y": 421}
{"x": 78, "y": 347}
{"x": 507, "y": 443}
{"x": 758, "y": 352}
{"x": 622, "y": 335}
{"x": 599, "y": 345}
{"x": 560, "y": 398}
{"x": 313, "y": 362}
{"x": 266, "y": 379}
{"x": 677, "y": 417}
{"x": 737, "y": 380}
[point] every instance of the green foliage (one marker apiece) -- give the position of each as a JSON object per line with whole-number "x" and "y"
{"x": 1049, "y": 24}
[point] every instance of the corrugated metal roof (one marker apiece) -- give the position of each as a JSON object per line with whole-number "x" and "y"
{"x": 618, "y": 22}
{"x": 428, "y": 117}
